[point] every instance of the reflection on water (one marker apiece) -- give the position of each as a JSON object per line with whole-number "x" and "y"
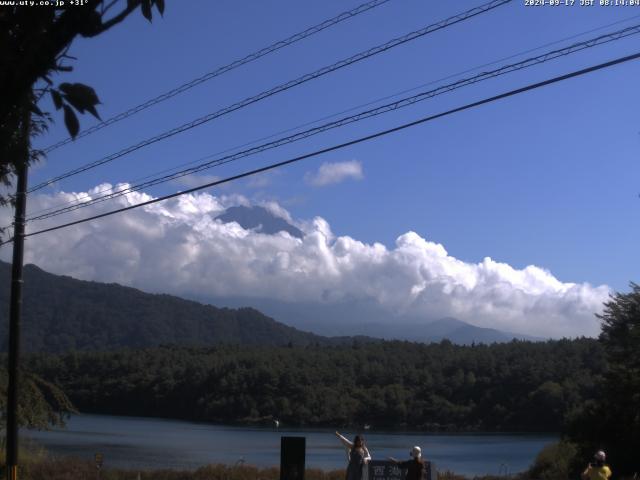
{"x": 143, "y": 443}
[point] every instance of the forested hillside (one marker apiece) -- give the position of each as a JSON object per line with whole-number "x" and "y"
{"x": 517, "y": 386}
{"x": 61, "y": 313}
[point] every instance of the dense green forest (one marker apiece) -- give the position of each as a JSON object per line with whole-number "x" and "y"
{"x": 521, "y": 386}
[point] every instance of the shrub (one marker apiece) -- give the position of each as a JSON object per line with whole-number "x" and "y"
{"x": 76, "y": 469}
{"x": 554, "y": 462}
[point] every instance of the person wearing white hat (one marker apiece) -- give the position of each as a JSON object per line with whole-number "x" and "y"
{"x": 597, "y": 470}
{"x": 415, "y": 466}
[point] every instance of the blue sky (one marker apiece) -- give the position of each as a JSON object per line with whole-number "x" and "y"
{"x": 548, "y": 178}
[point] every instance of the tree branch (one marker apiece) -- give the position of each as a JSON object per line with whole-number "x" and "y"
{"x": 115, "y": 20}
{"x": 106, "y": 8}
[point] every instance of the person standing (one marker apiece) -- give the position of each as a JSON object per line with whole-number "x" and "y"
{"x": 358, "y": 456}
{"x": 597, "y": 470}
{"x": 415, "y": 466}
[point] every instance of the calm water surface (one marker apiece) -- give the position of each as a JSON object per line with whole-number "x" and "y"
{"x": 144, "y": 443}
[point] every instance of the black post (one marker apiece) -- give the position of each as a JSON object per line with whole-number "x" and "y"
{"x": 292, "y": 458}
{"x": 14, "y": 322}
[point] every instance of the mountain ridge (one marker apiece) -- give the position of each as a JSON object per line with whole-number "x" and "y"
{"x": 364, "y": 317}
{"x": 259, "y": 219}
{"x": 61, "y": 313}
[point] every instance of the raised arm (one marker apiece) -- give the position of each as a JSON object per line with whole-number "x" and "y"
{"x": 347, "y": 444}
{"x": 367, "y": 455}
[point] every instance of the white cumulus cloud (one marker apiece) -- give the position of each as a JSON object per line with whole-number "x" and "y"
{"x": 178, "y": 247}
{"x": 336, "y": 172}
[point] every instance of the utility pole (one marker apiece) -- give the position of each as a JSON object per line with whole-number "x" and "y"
{"x": 14, "y": 313}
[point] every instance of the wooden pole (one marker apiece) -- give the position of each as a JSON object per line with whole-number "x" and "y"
{"x": 14, "y": 322}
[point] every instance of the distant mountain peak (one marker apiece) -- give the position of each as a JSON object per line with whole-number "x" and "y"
{"x": 259, "y": 219}
{"x": 457, "y": 331}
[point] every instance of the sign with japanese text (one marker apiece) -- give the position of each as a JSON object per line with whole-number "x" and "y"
{"x": 388, "y": 470}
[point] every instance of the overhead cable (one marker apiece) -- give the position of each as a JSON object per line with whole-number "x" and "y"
{"x": 176, "y": 168}
{"x": 404, "y": 126}
{"x": 404, "y": 102}
{"x": 222, "y": 70}
{"x": 282, "y": 87}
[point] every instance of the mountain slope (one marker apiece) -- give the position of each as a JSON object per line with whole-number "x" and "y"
{"x": 61, "y": 313}
{"x": 259, "y": 219}
{"x": 465, "y": 334}
{"x": 361, "y": 317}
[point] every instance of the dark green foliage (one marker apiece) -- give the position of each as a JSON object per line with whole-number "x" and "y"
{"x": 402, "y": 385}
{"x": 554, "y": 462}
{"x": 611, "y": 421}
{"x": 82, "y": 98}
{"x": 160, "y": 6}
{"x": 71, "y": 121}
{"x": 33, "y": 48}
{"x": 57, "y": 99}
{"x": 41, "y": 404}
{"x": 146, "y": 9}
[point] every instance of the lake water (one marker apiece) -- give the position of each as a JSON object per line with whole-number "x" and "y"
{"x": 144, "y": 443}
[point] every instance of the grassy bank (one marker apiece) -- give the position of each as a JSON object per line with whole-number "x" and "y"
{"x": 75, "y": 469}
{"x": 552, "y": 463}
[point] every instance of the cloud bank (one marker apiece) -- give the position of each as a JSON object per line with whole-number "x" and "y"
{"x": 332, "y": 173}
{"x": 178, "y": 247}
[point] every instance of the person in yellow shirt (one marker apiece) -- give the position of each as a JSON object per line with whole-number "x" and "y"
{"x": 597, "y": 470}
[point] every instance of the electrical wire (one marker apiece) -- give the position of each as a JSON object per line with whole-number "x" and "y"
{"x": 291, "y": 129}
{"x": 282, "y": 87}
{"x": 222, "y": 70}
{"x": 404, "y": 126}
{"x": 405, "y": 102}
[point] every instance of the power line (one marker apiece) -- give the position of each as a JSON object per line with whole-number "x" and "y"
{"x": 473, "y": 69}
{"x": 272, "y": 166}
{"x": 377, "y": 111}
{"x": 282, "y": 87}
{"x": 432, "y": 82}
{"x": 405, "y": 102}
{"x": 224, "y": 69}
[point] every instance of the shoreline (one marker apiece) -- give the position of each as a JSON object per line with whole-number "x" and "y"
{"x": 148, "y": 442}
{"x": 264, "y": 425}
